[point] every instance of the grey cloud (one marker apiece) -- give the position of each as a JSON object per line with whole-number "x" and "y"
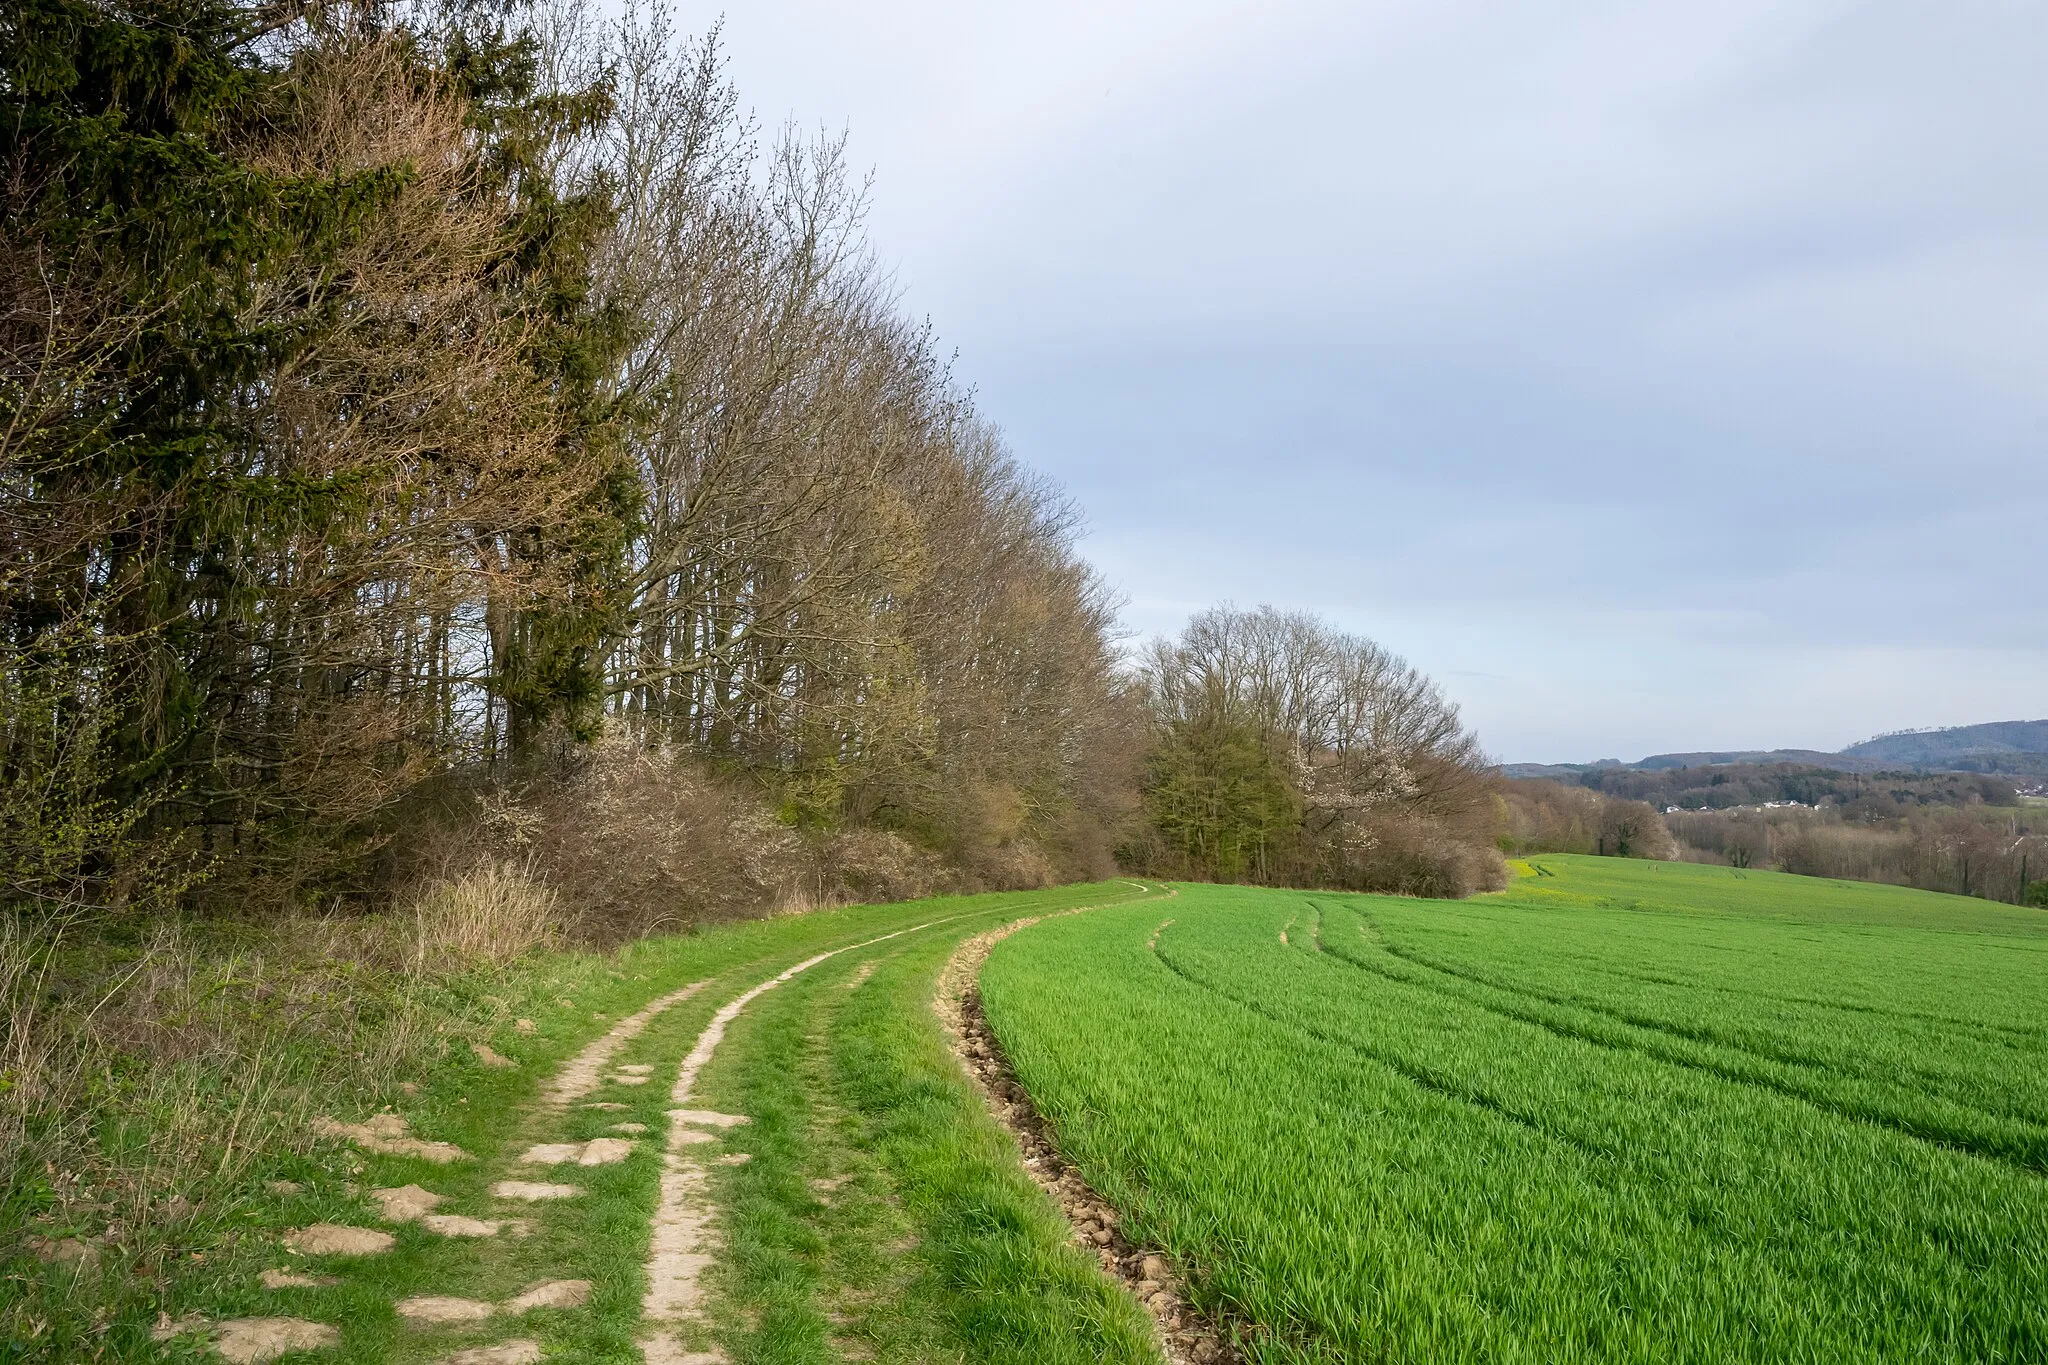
{"x": 1661, "y": 377}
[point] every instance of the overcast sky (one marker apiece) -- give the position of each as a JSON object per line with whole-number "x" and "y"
{"x": 1656, "y": 376}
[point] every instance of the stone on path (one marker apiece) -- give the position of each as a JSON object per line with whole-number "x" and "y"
{"x": 550, "y": 1294}
{"x": 607, "y": 1105}
{"x": 490, "y": 1057}
{"x": 620, "y": 1078}
{"x": 734, "y": 1159}
{"x": 406, "y": 1203}
{"x": 629, "y": 1128}
{"x": 596, "y": 1152}
{"x": 524, "y": 1025}
{"x": 518, "y": 1352}
{"x": 708, "y": 1118}
{"x": 605, "y": 1151}
{"x": 386, "y": 1135}
{"x": 283, "y": 1186}
{"x": 637, "y": 1069}
{"x": 456, "y": 1225}
{"x": 684, "y": 1137}
{"x": 251, "y": 1341}
{"x": 441, "y": 1308}
{"x": 288, "y": 1279}
{"x": 533, "y": 1190}
{"x": 336, "y": 1239}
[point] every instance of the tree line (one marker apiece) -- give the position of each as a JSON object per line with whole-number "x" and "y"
{"x": 1723, "y": 786}
{"x": 1933, "y": 831}
{"x": 1993, "y": 852}
{"x": 393, "y": 392}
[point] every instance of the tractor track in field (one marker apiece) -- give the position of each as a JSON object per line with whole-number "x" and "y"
{"x": 1186, "y": 1335}
{"x": 683, "y": 1244}
{"x": 1966, "y": 1130}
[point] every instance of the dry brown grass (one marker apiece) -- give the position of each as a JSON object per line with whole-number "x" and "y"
{"x": 493, "y": 913}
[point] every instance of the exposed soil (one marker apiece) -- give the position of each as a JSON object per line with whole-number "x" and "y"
{"x": 247, "y": 1341}
{"x": 534, "y": 1190}
{"x": 387, "y": 1135}
{"x": 550, "y": 1294}
{"x": 683, "y": 1242}
{"x": 406, "y": 1203}
{"x": 262, "y": 1339}
{"x": 1187, "y": 1335}
{"x": 339, "y": 1239}
{"x": 581, "y": 1073}
{"x": 504, "y": 1353}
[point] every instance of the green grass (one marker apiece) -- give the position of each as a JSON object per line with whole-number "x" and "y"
{"x": 1621, "y": 1112}
{"x": 884, "y": 1215}
{"x": 933, "y": 1247}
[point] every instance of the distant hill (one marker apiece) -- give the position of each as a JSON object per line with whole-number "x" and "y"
{"x": 2014, "y": 748}
{"x": 1940, "y": 748}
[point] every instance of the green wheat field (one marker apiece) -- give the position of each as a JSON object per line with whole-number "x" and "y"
{"x": 1624, "y": 1111}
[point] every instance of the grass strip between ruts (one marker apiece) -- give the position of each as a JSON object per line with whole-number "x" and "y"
{"x": 921, "y": 1238}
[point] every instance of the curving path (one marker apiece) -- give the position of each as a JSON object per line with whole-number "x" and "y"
{"x": 683, "y": 1244}
{"x": 521, "y": 1215}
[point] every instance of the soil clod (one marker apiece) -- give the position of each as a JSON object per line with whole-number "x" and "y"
{"x": 252, "y": 1341}
{"x": 456, "y": 1225}
{"x": 517, "y": 1352}
{"x": 550, "y": 1294}
{"x": 290, "y": 1279}
{"x": 337, "y": 1239}
{"x": 442, "y": 1308}
{"x": 76, "y": 1251}
{"x": 386, "y": 1135}
{"x": 605, "y": 1151}
{"x": 406, "y": 1203}
{"x": 532, "y": 1190}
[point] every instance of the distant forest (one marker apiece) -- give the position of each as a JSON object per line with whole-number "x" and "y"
{"x": 1967, "y": 833}
{"x": 1725, "y": 786}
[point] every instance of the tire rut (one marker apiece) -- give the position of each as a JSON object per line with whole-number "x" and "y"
{"x": 683, "y": 1245}
{"x": 1186, "y": 1335}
